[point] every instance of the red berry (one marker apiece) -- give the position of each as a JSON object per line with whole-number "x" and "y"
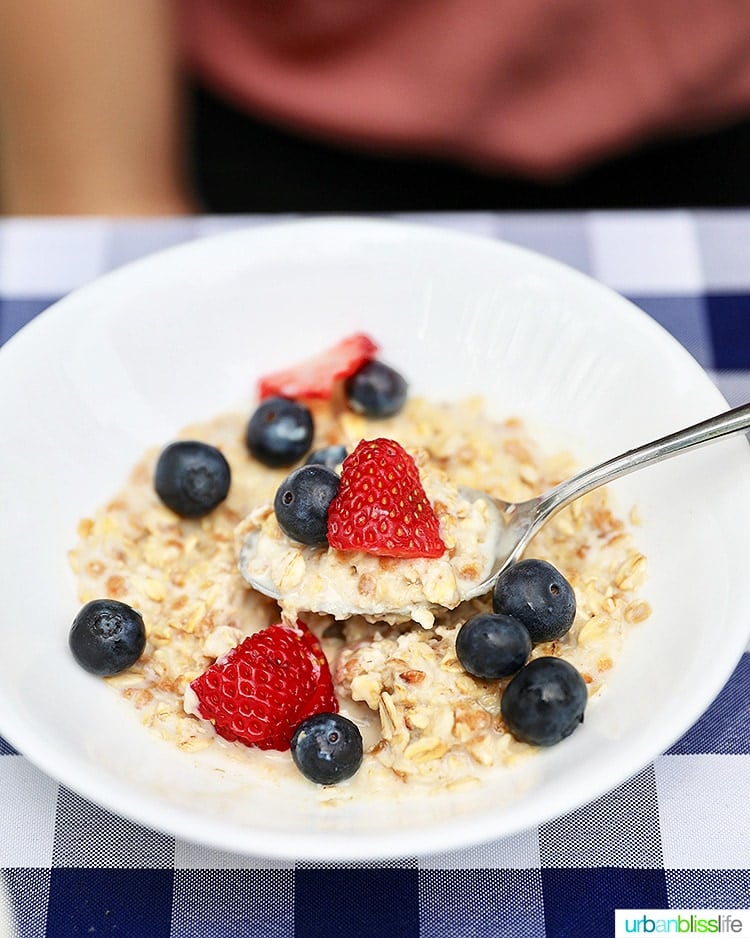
{"x": 261, "y": 690}
{"x": 381, "y": 506}
{"x": 316, "y": 376}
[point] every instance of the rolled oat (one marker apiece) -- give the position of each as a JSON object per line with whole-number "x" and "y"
{"x": 426, "y": 719}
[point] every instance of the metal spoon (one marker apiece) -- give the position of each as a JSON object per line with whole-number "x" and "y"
{"x": 519, "y": 521}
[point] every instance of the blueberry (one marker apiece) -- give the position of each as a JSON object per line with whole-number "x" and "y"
{"x": 544, "y": 702}
{"x": 376, "y": 390}
{"x": 279, "y": 432}
{"x": 107, "y": 636}
{"x": 327, "y": 748}
{"x": 538, "y": 595}
{"x": 191, "y": 478}
{"x": 301, "y": 504}
{"x": 492, "y": 646}
{"x": 330, "y": 456}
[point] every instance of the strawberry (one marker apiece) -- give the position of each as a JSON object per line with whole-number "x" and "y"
{"x": 316, "y": 376}
{"x": 381, "y": 507}
{"x": 261, "y": 690}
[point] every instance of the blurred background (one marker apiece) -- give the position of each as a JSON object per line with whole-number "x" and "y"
{"x": 174, "y": 106}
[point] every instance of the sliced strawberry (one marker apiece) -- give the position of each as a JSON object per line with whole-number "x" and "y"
{"x": 316, "y": 376}
{"x": 381, "y": 507}
{"x": 261, "y": 690}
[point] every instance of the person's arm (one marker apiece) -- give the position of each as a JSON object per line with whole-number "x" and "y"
{"x": 89, "y": 108}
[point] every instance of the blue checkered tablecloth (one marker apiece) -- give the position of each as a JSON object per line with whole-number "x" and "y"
{"x": 676, "y": 835}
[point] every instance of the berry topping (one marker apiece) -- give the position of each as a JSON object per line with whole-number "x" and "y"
{"x": 327, "y": 748}
{"x": 544, "y": 702}
{"x": 316, "y": 376}
{"x": 301, "y": 504}
{"x": 376, "y": 390}
{"x": 260, "y": 690}
{"x": 107, "y": 637}
{"x": 191, "y": 478}
{"x": 279, "y": 432}
{"x": 381, "y": 507}
{"x": 537, "y": 594}
{"x": 330, "y": 456}
{"x": 492, "y": 646}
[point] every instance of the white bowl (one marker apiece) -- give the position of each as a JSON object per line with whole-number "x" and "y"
{"x": 125, "y": 362}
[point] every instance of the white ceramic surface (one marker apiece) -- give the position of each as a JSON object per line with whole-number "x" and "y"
{"x": 125, "y": 362}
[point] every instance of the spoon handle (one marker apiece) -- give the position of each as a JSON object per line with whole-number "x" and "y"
{"x": 707, "y": 431}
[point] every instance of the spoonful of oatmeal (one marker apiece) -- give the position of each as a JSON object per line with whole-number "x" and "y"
{"x": 392, "y": 539}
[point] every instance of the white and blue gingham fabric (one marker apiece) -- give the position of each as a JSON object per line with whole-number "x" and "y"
{"x": 676, "y": 835}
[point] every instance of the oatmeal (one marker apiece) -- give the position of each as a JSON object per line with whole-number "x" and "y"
{"x": 424, "y": 719}
{"x": 345, "y": 583}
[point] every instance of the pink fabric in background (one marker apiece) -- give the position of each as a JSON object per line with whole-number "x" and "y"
{"x": 538, "y": 86}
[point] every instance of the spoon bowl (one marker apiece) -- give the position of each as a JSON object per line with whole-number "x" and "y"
{"x": 518, "y": 522}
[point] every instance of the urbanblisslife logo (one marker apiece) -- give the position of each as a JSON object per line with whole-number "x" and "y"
{"x": 727, "y": 923}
